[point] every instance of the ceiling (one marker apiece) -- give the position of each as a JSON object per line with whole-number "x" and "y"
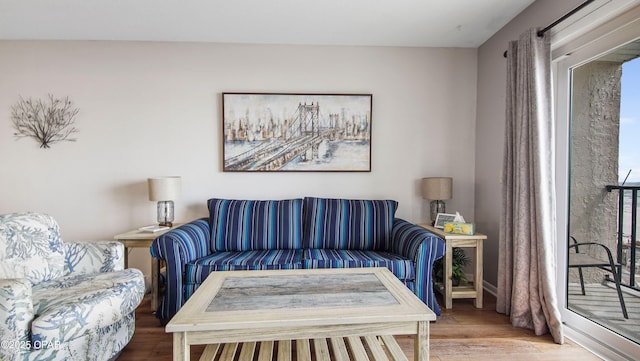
{"x": 415, "y": 23}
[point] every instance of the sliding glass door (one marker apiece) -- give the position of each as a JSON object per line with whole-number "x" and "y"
{"x": 600, "y": 275}
{"x": 597, "y": 89}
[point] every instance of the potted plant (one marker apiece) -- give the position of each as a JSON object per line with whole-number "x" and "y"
{"x": 458, "y": 262}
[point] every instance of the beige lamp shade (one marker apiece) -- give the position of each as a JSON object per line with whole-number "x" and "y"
{"x": 164, "y": 188}
{"x": 437, "y": 188}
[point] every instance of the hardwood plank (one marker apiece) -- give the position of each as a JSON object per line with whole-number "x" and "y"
{"x": 321, "y": 348}
{"x": 303, "y": 350}
{"x": 266, "y": 351}
{"x": 229, "y": 351}
{"x": 210, "y": 352}
{"x": 284, "y": 350}
{"x": 340, "y": 352}
{"x": 357, "y": 349}
{"x": 375, "y": 348}
{"x": 394, "y": 349}
{"x": 248, "y": 349}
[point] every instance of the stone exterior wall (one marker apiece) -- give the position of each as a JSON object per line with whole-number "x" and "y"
{"x": 594, "y": 157}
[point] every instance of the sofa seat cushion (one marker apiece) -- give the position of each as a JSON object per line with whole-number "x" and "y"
{"x": 348, "y": 223}
{"x": 72, "y": 306}
{"x": 341, "y": 258}
{"x": 198, "y": 270}
{"x": 245, "y": 225}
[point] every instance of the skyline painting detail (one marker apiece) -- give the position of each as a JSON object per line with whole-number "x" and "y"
{"x": 266, "y": 132}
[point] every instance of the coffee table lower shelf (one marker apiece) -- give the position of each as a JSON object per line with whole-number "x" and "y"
{"x": 319, "y": 349}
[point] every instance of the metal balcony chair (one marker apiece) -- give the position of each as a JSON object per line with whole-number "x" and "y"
{"x": 579, "y": 260}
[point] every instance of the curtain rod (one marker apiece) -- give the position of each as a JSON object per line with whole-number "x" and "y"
{"x": 561, "y": 19}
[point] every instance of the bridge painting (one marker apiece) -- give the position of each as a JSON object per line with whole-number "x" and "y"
{"x": 266, "y": 132}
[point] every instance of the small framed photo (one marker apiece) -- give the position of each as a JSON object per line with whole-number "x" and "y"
{"x": 443, "y": 218}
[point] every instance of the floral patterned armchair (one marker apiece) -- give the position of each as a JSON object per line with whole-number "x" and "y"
{"x": 62, "y": 300}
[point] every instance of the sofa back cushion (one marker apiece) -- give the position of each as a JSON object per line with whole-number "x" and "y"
{"x": 348, "y": 223}
{"x": 30, "y": 247}
{"x": 243, "y": 225}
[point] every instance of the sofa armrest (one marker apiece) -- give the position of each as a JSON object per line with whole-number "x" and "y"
{"x": 423, "y": 247}
{"x": 16, "y": 314}
{"x": 178, "y": 247}
{"x": 93, "y": 257}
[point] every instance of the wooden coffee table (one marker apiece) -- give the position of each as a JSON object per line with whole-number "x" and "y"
{"x": 323, "y": 314}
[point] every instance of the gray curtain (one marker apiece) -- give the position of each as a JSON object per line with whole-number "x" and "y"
{"x": 527, "y": 249}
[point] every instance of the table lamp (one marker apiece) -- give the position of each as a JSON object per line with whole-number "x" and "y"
{"x": 164, "y": 190}
{"x": 436, "y": 189}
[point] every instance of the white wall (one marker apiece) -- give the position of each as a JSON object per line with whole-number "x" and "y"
{"x": 150, "y": 109}
{"x": 491, "y": 118}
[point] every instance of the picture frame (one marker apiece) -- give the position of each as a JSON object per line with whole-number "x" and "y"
{"x": 291, "y": 132}
{"x": 443, "y": 218}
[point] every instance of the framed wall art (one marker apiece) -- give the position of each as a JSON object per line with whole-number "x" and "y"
{"x": 280, "y": 132}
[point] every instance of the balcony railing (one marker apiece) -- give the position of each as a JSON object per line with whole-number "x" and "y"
{"x": 627, "y": 210}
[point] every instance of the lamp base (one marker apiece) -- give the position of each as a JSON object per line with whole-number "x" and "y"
{"x": 436, "y": 207}
{"x": 165, "y": 213}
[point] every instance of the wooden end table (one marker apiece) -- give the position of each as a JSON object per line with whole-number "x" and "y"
{"x": 139, "y": 239}
{"x": 234, "y": 311}
{"x": 466, "y": 291}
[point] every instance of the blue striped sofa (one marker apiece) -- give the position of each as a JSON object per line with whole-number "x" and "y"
{"x": 295, "y": 234}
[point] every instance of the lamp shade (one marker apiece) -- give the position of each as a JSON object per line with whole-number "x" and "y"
{"x": 164, "y": 188}
{"x": 436, "y": 188}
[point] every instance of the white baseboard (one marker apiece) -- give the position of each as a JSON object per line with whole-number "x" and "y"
{"x": 490, "y": 288}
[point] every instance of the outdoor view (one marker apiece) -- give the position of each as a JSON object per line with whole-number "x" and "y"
{"x": 605, "y": 165}
{"x": 629, "y": 158}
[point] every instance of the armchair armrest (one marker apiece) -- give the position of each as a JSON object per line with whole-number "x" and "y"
{"x": 423, "y": 247}
{"x": 16, "y": 314}
{"x": 177, "y": 247}
{"x": 94, "y": 257}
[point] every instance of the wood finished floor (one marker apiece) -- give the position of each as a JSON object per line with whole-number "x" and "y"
{"x": 462, "y": 333}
